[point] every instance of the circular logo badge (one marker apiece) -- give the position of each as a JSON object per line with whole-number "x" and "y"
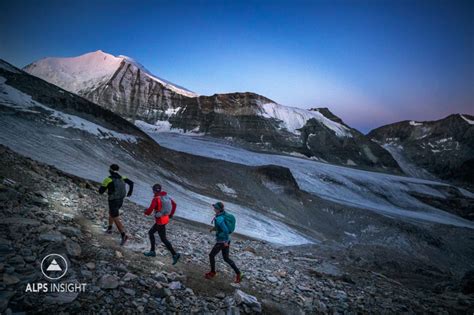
{"x": 54, "y": 266}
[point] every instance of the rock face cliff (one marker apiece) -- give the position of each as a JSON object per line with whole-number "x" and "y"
{"x": 124, "y": 86}
{"x": 443, "y": 148}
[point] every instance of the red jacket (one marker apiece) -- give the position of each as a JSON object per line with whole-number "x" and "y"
{"x": 156, "y": 206}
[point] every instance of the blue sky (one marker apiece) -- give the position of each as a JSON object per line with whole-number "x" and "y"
{"x": 370, "y": 62}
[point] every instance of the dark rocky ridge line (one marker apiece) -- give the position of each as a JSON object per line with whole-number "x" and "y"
{"x": 443, "y": 147}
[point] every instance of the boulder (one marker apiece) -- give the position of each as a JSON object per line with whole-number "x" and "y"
{"x": 90, "y": 265}
{"x": 108, "y": 282}
{"x": 70, "y": 231}
{"x": 73, "y": 248}
{"x": 10, "y": 279}
{"x": 129, "y": 291}
{"x": 129, "y": 276}
{"x": 175, "y": 285}
{"x": 52, "y": 237}
{"x": 247, "y": 299}
{"x": 164, "y": 292}
{"x": 161, "y": 278}
{"x": 61, "y": 298}
{"x": 5, "y": 297}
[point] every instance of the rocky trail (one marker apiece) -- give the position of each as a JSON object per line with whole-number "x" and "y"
{"x": 44, "y": 210}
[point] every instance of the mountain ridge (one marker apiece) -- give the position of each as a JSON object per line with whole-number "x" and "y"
{"x": 248, "y": 118}
{"x": 442, "y": 148}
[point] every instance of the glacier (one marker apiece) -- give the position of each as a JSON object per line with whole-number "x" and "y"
{"x": 74, "y": 146}
{"x": 383, "y": 193}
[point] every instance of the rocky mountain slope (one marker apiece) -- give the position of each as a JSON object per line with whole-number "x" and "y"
{"x": 127, "y": 88}
{"x": 443, "y": 148}
{"x": 45, "y": 210}
{"x": 70, "y": 133}
{"x": 351, "y": 240}
{"x": 83, "y": 138}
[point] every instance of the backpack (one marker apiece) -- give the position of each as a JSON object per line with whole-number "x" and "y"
{"x": 119, "y": 189}
{"x": 168, "y": 207}
{"x": 229, "y": 220}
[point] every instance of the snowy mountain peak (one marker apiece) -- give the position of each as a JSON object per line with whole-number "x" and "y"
{"x": 89, "y": 71}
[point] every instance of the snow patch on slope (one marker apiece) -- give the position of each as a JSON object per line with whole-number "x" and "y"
{"x": 226, "y": 189}
{"x": 293, "y": 118}
{"x": 414, "y": 123}
{"x": 407, "y": 167}
{"x": 470, "y": 122}
{"x": 164, "y": 126}
{"x": 18, "y": 100}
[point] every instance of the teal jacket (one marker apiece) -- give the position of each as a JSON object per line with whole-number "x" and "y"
{"x": 222, "y": 232}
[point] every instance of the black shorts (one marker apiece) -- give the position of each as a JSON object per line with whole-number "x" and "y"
{"x": 114, "y": 207}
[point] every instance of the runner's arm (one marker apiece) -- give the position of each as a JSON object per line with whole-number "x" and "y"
{"x": 104, "y": 185}
{"x": 130, "y": 186}
{"x": 151, "y": 207}
{"x": 155, "y": 205}
{"x": 173, "y": 208}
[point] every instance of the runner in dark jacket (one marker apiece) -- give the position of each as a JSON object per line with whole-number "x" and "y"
{"x": 115, "y": 187}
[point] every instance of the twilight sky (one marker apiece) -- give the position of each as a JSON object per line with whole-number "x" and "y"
{"x": 370, "y": 62}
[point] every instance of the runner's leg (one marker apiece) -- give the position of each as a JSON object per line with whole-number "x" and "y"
{"x": 162, "y": 234}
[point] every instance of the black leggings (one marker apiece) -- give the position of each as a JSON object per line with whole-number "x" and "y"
{"x": 225, "y": 254}
{"x": 161, "y": 229}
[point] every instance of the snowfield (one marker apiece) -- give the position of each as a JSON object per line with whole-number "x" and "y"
{"x": 165, "y": 126}
{"x": 20, "y": 101}
{"x": 293, "y": 118}
{"x": 407, "y": 167}
{"x": 382, "y": 193}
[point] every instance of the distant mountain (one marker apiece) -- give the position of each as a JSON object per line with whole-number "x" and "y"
{"x": 119, "y": 83}
{"x": 127, "y": 88}
{"x": 443, "y": 148}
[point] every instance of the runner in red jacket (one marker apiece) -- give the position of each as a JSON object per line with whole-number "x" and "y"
{"x": 163, "y": 208}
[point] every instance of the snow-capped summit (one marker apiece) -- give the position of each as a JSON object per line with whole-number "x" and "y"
{"x": 76, "y": 74}
{"x": 83, "y": 74}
